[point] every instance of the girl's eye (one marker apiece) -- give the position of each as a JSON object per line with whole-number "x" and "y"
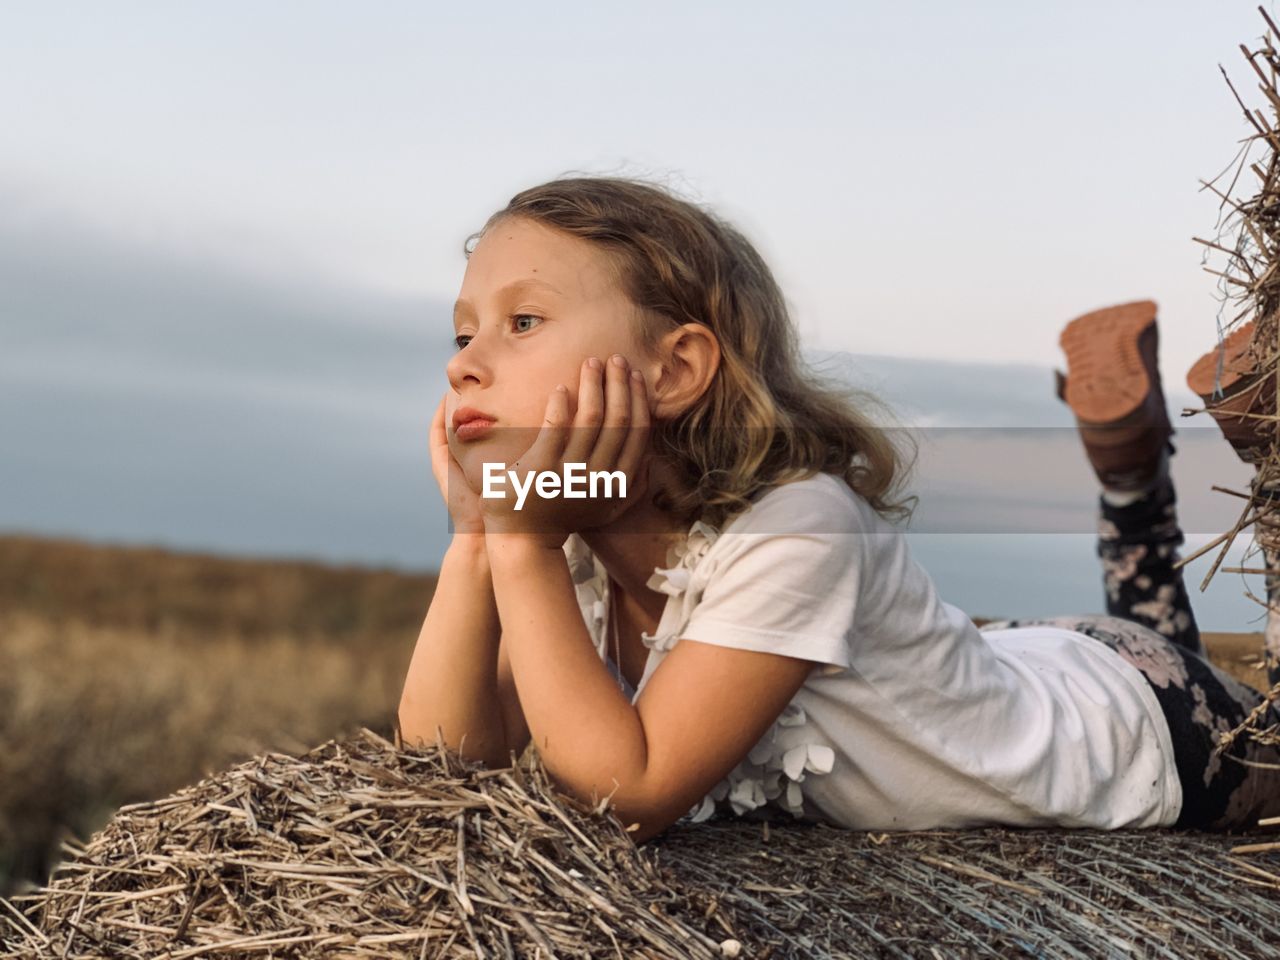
{"x": 458, "y": 340}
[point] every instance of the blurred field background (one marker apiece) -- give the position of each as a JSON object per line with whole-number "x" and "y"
{"x": 129, "y": 672}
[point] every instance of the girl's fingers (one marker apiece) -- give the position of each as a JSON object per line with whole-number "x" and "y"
{"x": 437, "y": 423}
{"x": 438, "y": 446}
{"x": 437, "y": 440}
{"x": 633, "y": 450}
{"x": 590, "y": 415}
{"x": 548, "y": 447}
{"x": 617, "y": 416}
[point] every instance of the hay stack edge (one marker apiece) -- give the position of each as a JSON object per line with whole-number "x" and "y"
{"x": 360, "y": 848}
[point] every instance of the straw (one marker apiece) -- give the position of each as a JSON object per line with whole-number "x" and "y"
{"x": 360, "y": 848}
{"x": 1249, "y": 281}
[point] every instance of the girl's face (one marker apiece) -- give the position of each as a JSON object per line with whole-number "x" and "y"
{"x": 535, "y": 304}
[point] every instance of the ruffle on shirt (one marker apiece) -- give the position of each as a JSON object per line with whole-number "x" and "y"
{"x": 589, "y": 580}
{"x": 674, "y": 579}
{"x": 772, "y": 771}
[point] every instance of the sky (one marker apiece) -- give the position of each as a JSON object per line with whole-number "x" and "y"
{"x": 230, "y": 235}
{"x": 927, "y": 179}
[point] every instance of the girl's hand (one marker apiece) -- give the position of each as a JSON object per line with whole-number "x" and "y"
{"x": 460, "y": 500}
{"x": 609, "y": 432}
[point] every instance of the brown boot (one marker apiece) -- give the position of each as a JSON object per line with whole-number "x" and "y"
{"x": 1244, "y": 390}
{"x": 1112, "y": 385}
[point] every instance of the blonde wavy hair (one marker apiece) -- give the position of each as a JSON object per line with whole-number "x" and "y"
{"x": 767, "y": 418}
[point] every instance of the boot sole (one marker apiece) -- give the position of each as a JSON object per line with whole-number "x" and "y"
{"x": 1107, "y": 380}
{"x": 1237, "y": 364}
{"x": 1245, "y": 388}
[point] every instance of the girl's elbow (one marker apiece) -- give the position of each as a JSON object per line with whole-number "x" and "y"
{"x": 644, "y": 821}
{"x": 416, "y": 731}
{"x": 477, "y": 746}
{"x": 410, "y": 733}
{"x": 647, "y": 830}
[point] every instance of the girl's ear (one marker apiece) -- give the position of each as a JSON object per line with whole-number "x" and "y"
{"x": 688, "y": 358}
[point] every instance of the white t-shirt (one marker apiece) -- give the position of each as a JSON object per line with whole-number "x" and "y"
{"x": 916, "y": 718}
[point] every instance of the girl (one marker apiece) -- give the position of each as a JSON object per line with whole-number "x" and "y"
{"x": 742, "y": 629}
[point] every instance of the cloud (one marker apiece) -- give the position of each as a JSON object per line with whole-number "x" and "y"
{"x": 149, "y": 394}
{"x": 152, "y": 394}
{"x": 929, "y": 392}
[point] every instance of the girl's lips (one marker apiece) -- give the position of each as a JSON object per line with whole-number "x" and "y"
{"x": 473, "y": 429}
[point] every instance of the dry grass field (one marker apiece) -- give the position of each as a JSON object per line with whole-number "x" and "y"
{"x": 127, "y": 672}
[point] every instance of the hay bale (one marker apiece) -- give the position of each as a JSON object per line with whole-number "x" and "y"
{"x": 818, "y": 891}
{"x": 360, "y": 849}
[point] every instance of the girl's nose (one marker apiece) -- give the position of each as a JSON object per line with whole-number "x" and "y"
{"x": 468, "y": 365}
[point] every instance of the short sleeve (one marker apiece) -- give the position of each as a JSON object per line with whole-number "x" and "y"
{"x": 785, "y": 578}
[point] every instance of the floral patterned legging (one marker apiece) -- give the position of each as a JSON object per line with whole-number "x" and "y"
{"x": 1149, "y": 622}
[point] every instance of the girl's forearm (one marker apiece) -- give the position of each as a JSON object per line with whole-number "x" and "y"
{"x": 452, "y": 678}
{"x": 588, "y": 734}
